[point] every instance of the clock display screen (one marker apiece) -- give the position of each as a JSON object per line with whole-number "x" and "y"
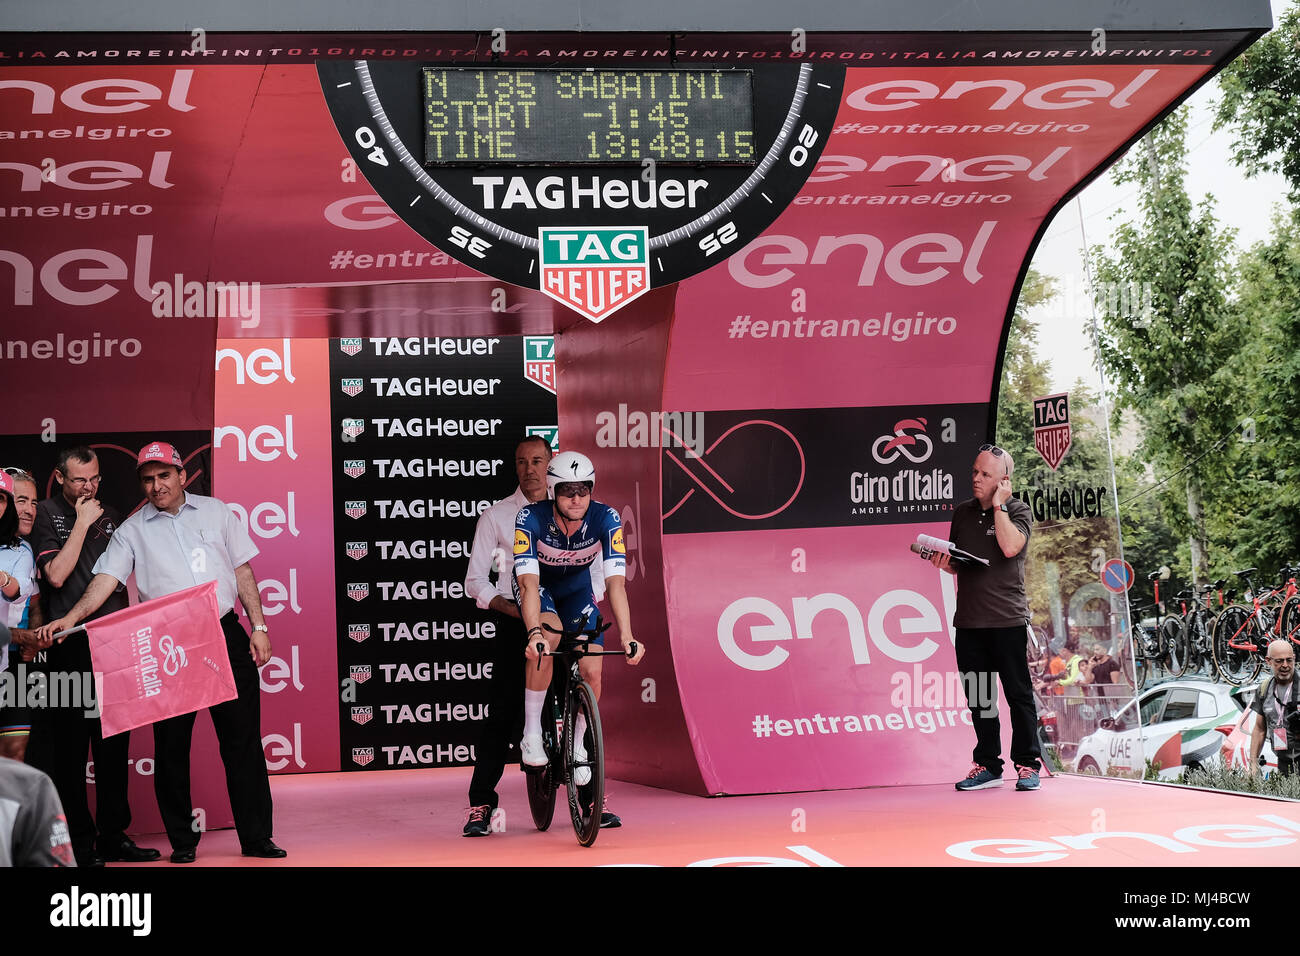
{"x": 603, "y": 117}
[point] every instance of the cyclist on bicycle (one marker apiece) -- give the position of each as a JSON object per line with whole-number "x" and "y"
{"x": 556, "y": 542}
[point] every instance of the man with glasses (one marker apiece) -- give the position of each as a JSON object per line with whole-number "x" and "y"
{"x": 1275, "y": 706}
{"x": 556, "y": 542}
{"x": 992, "y": 620}
{"x": 24, "y": 617}
{"x": 71, "y": 531}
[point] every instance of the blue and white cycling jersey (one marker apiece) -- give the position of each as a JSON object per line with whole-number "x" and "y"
{"x": 563, "y": 562}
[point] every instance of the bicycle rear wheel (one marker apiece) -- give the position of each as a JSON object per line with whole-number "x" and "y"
{"x": 587, "y": 802}
{"x": 1173, "y": 646}
{"x": 1232, "y": 630}
{"x": 1291, "y": 619}
{"x": 541, "y": 782}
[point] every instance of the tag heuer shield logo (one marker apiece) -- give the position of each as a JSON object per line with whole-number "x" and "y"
{"x": 539, "y": 361}
{"x": 353, "y": 427}
{"x": 359, "y": 672}
{"x": 1052, "y": 428}
{"x": 363, "y": 755}
{"x": 354, "y": 467}
{"x": 352, "y": 386}
{"x": 594, "y": 270}
{"x": 349, "y": 346}
{"x": 358, "y": 592}
{"x": 363, "y": 715}
{"x": 358, "y": 632}
{"x": 357, "y": 550}
{"x": 354, "y": 509}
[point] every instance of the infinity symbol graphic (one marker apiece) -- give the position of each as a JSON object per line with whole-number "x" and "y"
{"x": 898, "y": 443}
{"x": 707, "y": 479}
{"x": 174, "y": 656}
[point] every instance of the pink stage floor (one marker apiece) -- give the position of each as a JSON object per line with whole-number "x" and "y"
{"x": 414, "y": 818}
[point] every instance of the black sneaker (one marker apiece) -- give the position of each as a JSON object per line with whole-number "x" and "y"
{"x": 479, "y": 823}
{"x": 608, "y": 820}
{"x": 1026, "y": 778}
{"x": 979, "y": 779}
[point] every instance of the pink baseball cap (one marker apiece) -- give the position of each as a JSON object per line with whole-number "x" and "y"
{"x": 158, "y": 451}
{"x": 7, "y": 483}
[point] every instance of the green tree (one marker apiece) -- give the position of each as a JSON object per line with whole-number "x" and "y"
{"x": 1167, "y": 335}
{"x": 1260, "y": 91}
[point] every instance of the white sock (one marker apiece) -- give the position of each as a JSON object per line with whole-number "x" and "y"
{"x": 533, "y": 701}
{"x": 580, "y": 728}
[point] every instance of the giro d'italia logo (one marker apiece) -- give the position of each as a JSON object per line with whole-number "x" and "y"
{"x": 594, "y": 270}
{"x": 359, "y": 632}
{"x": 349, "y": 346}
{"x": 354, "y": 467}
{"x": 361, "y": 756}
{"x": 352, "y": 386}
{"x": 909, "y": 441}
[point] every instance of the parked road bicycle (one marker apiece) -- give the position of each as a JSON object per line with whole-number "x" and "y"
{"x": 569, "y": 758}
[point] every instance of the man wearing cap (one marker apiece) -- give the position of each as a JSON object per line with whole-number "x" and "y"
{"x": 69, "y": 534}
{"x": 175, "y": 541}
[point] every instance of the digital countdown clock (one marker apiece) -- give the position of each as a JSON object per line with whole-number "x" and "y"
{"x": 592, "y": 186}
{"x": 565, "y": 117}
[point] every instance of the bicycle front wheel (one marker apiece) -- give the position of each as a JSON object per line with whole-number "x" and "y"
{"x": 541, "y": 783}
{"x": 1173, "y": 646}
{"x": 1233, "y": 659}
{"x": 588, "y": 801}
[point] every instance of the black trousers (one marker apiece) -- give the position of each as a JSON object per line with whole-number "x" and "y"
{"x": 238, "y": 724}
{"x": 61, "y": 737}
{"x": 986, "y": 653}
{"x": 500, "y": 731}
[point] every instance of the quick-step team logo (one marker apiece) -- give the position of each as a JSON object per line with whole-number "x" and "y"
{"x": 363, "y": 755}
{"x": 362, "y": 715}
{"x": 359, "y": 672}
{"x": 550, "y": 432}
{"x": 1052, "y": 427}
{"x": 594, "y": 270}
{"x": 359, "y": 632}
{"x": 353, "y": 427}
{"x": 354, "y": 467}
{"x": 349, "y": 346}
{"x": 354, "y": 509}
{"x": 358, "y": 592}
{"x": 356, "y": 550}
{"x": 539, "y": 361}
{"x": 352, "y": 386}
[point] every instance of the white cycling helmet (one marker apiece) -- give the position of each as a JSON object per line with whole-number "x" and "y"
{"x": 569, "y": 466}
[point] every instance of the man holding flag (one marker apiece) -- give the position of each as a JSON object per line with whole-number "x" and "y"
{"x": 173, "y": 543}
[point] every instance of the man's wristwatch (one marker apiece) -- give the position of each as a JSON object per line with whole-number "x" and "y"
{"x": 262, "y": 627}
{"x": 1003, "y": 507}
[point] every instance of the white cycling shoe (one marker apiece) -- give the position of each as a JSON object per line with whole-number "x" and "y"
{"x": 581, "y": 775}
{"x": 532, "y": 751}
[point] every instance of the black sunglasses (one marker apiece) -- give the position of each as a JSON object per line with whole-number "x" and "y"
{"x": 994, "y": 449}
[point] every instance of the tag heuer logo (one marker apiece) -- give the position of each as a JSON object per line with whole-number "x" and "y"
{"x": 353, "y": 427}
{"x": 550, "y": 432}
{"x": 539, "y": 361}
{"x": 350, "y": 346}
{"x": 358, "y": 632}
{"x": 358, "y": 592}
{"x": 363, "y": 755}
{"x": 354, "y": 509}
{"x": 594, "y": 270}
{"x": 354, "y": 467}
{"x": 352, "y": 386}
{"x": 358, "y": 549}
{"x": 1052, "y": 428}
{"x": 362, "y": 715}
{"x": 359, "y": 672}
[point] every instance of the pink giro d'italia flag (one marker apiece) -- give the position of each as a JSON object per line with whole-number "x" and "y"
{"x": 159, "y": 659}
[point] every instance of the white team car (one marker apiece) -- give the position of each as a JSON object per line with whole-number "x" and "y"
{"x": 1179, "y": 725}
